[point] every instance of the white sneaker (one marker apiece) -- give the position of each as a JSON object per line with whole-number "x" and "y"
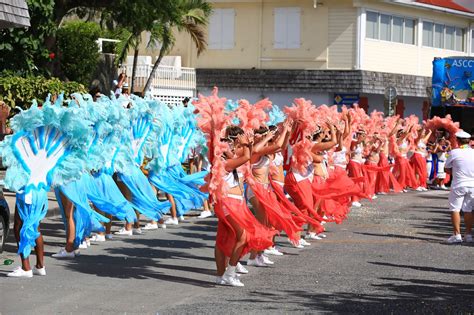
{"x": 39, "y": 271}
{"x": 424, "y": 188}
{"x": 419, "y": 189}
{"x": 97, "y": 238}
{"x": 123, "y": 231}
{"x": 468, "y": 238}
{"x": 255, "y": 262}
{"x": 304, "y": 242}
{"x": 205, "y": 214}
{"x": 18, "y": 272}
{"x": 272, "y": 251}
{"x": 241, "y": 269}
{"x": 405, "y": 191}
{"x": 382, "y": 193}
{"x": 65, "y": 254}
{"x": 137, "y": 231}
{"x": 453, "y": 239}
{"x": 109, "y": 236}
{"x": 321, "y": 235}
{"x": 220, "y": 281}
{"x": 233, "y": 281}
{"x": 443, "y": 187}
{"x": 312, "y": 236}
{"x": 172, "y": 221}
{"x": 151, "y": 226}
{"x": 299, "y": 246}
{"x": 162, "y": 226}
{"x": 356, "y": 204}
{"x": 181, "y": 218}
{"x": 374, "y": 197}
{"x": 265, "y": 260}
{"x": 83, "y": 245}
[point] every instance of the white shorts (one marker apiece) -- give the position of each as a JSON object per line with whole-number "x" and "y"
{"x": 461, "y": 198}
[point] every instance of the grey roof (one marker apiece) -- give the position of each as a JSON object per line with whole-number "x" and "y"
{"x": 14, "y": 13}
{"x": 337, "y": 81}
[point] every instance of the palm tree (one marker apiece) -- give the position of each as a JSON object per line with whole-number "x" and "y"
{"x": 191, "y": 16}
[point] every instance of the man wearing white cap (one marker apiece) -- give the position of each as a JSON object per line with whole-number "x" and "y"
{"x": 460, "y": 163}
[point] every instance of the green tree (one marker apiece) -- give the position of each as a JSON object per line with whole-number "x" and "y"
{"x": 76, "y": 41}
{"x": 189, "y": 16}
{"x": 23, "y": 50}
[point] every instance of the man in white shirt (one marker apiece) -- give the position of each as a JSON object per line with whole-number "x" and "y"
{"x": 460, "y": 163}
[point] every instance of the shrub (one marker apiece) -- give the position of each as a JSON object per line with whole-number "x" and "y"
{"x": 20, "y": 92}
{"x": 78, "y": 50}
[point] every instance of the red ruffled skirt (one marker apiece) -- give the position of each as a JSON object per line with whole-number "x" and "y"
{"x": 259, "y": 237}
{"x": 385, "y": 179}
{"x": 405, "y": 174}
{"x": 335, "y": 194}
{"x": 277, "y": 216}
{"x": 356, "y": 173}
{"x": 418, "y": 163}
{"x": 302, "y": 195}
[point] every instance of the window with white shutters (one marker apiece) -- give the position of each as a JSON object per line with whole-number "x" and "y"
{"x": 221, "y": 29}
{"x": 287, "y": 28}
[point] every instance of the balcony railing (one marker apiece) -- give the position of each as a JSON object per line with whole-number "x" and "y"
{"x": 169, "y": 84}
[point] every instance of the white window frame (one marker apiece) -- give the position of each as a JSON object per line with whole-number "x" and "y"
{"x": 379, "y": 13}
{"x": 222, "y": 43}
{"x": 464, "y": 39}
{"x": 287, "y": 44}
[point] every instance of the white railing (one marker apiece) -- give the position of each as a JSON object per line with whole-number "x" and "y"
{"x": 168, "y": 82}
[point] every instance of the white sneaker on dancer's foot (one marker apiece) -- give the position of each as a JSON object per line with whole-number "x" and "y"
{"x": 265, "y": 260}
{"x": 109, "y": 236}
{"x": 321, "y": 235}
{"x": 220, "y": 281}
{"x": 382, "y": 193}
{"x": 256, "y": 262}
{"x": 241, "y": 269}
{"x": 374, "y": 197}
{"x": 356, "y": 204}
{"x": 123, "y": 231}
{"x": 272, "y": 251}
{"x": 304, "y": 242}
{"x": 181, "y": 218}
{"x": 419, "y": 188}
{"x": 65, "y": 254}
{"x": 443, "y": 187}
{"x": 18, "y": 272}
{"x": 172, "y": 221}
{"x": 151, "y": 226}
{"x": 98, "y": 238}
{"x": 312, "y": 236}
{"x": 39, "y": 271}
{"x": 230, "y": 277}
{"x": 205, "y": 214}
{"x": 83, "y": 245}
{"x": 454, "y": 239}
{"x": 137, "y": 231}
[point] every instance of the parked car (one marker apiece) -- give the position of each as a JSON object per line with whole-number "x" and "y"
{"x": 4, "y": 220}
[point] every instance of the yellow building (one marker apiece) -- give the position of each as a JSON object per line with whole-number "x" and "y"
{"x": 322, "y": 49}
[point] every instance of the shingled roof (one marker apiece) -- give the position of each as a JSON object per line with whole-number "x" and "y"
{"x": 337, "y": 81}
{"x": 14, "y": 13}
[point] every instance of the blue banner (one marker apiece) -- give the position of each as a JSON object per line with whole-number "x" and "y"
{"x": 453, "y": 81}
{"x": 346, "y": 99}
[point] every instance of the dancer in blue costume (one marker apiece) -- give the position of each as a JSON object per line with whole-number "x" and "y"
{"x": 109, "y": 119}
{"x": 176, "y": 137}
{"x": 46, "y": 150}
{"x": 79, "y": 218}
{"x": 133, "y": 183}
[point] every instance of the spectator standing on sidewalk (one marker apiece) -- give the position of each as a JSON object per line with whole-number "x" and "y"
{"x": 460, "y": 163}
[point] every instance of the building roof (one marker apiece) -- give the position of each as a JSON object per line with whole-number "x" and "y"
{"x": 459, "y": 5}
{"x": 336, "y": 81}
{"x": 14, "y": 13}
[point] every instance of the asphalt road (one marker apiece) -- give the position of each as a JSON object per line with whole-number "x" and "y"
{"x": 388, "y": 257}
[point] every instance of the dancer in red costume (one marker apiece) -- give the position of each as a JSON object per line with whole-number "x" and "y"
{"x": 238, "y": 232}
{"x": 403, "y": 171}
{"x": 262, "y": 197}
{"x": 321, "y": 143}
{"x": 355, "y": 165}
{"x": 371, "y": 167}
{"x": 418, "y": 159}
{"x": 385, "y": 179}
